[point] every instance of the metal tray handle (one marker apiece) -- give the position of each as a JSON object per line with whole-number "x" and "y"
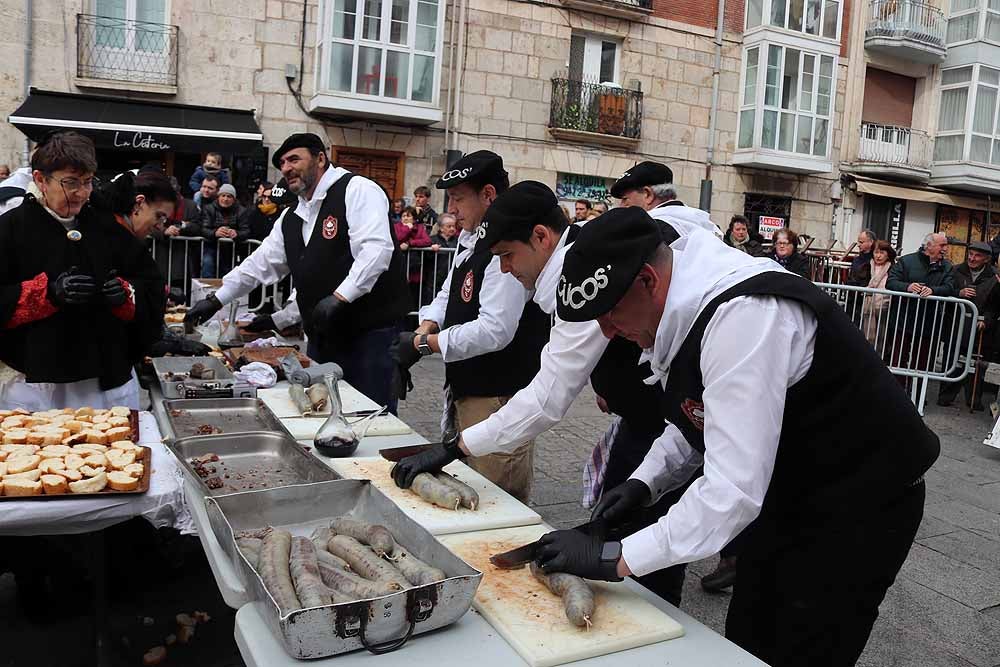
{"x": 389, "y": 646}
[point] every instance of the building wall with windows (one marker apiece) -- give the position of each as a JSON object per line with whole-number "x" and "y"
{"x": 569, "y": 97}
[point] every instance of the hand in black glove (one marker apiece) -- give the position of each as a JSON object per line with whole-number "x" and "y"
{"x": 402, "y": 383}
{"x": 261, "y": 323}
{"x": 616, "y": 503}
{"x": 429, "y": 460}
{"x": 72, "y": 288}
{"x": 572, "y": 552}
{"x": 202, "y": 311}
{"x": 402, "y": 350}
{"x": 325, "y": 314}
{"x": 114, "y": 292}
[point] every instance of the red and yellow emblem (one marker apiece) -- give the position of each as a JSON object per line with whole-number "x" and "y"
{"x": 330, "y": 227}
{"x": 695, "y": 411}
{"x": 467, "y": 286}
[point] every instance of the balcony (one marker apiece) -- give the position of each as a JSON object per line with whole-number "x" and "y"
{"x": 595, "y": 114}
{"x": 635, "y": 10}
{"x": 112, "y": 51}
{"x": 907, "y": 29}
{"x": 894, "y": 152}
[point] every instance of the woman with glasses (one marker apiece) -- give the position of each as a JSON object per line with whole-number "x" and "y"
{"x": 786, "y": 252}
{"x": 80, "y": 299}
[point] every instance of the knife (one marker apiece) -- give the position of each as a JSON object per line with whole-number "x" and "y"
{"x": 396, "y": 454}
{"x": 515, "y": 558}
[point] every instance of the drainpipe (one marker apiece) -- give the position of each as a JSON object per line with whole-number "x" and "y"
{"x": 459, "y": 74}
{"x": 705, "y": 200}
{"x": 451, "y": 70}
{"x": 28, "y": 17}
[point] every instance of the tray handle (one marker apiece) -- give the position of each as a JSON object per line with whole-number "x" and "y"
{"x": 389, "y": 646}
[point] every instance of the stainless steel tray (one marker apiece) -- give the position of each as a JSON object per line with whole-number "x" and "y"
{"x": 254, "y": 460}
{"x": 214, "y": 416}
{"x": 379, "y": 624}
{"x": 172, "y": 373}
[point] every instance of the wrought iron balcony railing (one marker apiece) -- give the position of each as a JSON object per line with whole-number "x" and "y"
{"x": 591, "y": 107}
{"x": 909, "y": 19}
{"x": 122, "y": 50}
{"x": 893, "y": 146}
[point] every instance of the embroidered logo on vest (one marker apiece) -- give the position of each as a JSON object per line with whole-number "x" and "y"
{"x": 467, "y": 285}
{"x": 577, "y": 297}
{"x": 481, "y": 230}
{"x": 695, "y": 411}
{"x": 329, "y": 227}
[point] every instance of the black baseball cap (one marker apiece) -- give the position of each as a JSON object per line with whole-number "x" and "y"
{"x": 514, "y": 213}
{"x": 604, "y": 261}
{"x": 641, "y": 175}
{"x": 298, "y": 140}
{"x": 476, "y": 166}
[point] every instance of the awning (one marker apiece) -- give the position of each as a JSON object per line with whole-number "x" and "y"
{"x": 139, "y": 125}
{"x": 928, "y": 194}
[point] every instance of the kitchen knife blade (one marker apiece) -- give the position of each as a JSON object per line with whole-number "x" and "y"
{"x": 515, "y": 558}
{"x": 396, "y": 454}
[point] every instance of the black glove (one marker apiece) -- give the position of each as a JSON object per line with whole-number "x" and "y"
{"x": 403, "y": 352}
{"x": 402, "y": 383}
{"x": 617, "y": 503}
{"x": 176, "y": 296}
{"x": 572, "y": 552}
{"x": 114, "y": 292}
{"x": 325, "y": 314}
{"x": 261, "y": 323}
{"x": 71, "y": 288}
{"x": 429, "y": 460}
{"x": 202, "y": 311}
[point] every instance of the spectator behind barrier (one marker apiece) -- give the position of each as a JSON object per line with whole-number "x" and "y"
{"x": 435, "y": 270}
{"x": 738, "y": 236}
{"x": 425, "y": 213}
{"x": 786, "y": 252}
{"x": 859, "y": 273}
{"x": 209, "y": 191}
{"x": 211, "y": 167}
{"x": 410, "y": 233}
{"x": 397, "y": 210}
{"x": 224, "y": 219}
{"x": 600, "y": 207}
{"x": 581, "y": 210}
{"x": 873, "y": 312}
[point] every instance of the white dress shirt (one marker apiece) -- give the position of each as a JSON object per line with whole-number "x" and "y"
{"x": 289, "y": 315}
{"x": 574, "y": 348}
{"x": 501, "y": 302}
{"x": 753, "y": 350}
{"x": 368, "y": 235}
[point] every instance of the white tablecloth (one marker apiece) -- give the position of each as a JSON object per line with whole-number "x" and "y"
{"x": 163, "y": 505}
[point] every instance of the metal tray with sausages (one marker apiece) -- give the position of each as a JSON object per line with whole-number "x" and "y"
{"x": 378, "y": 624}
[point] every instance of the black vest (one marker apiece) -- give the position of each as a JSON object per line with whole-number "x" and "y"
{"x": 506, "y": 371}
{"x": 319, "y": 267}
{"x": 822, "y": 469}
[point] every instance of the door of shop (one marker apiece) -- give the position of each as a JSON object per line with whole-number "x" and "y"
{"x": 384, "y": 167}
{"x": 885, "y": 217}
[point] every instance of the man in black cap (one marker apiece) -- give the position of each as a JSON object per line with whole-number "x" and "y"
{"x": 338, "y": 245}
{"x": 483, "y": 323}
{"x": 650, "y": 186}
{"x": 974, "y": 279}
{"x": 718, "y": 326}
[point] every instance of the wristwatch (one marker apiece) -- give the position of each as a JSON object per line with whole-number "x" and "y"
{"x": 611, "y": 553}
{"x": 423, "y": 347}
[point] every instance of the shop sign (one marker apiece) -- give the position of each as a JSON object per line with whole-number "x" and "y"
{"x": 142, "y": 140}
{"x": 767, "y": 225}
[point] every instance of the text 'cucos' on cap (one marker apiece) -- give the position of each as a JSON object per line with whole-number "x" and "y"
{"x": 641, "y": 175}
{"x": 601, "y": 265}
{"x": 472, "y": 167}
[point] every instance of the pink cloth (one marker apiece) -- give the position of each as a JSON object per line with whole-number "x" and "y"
{"x": 415, "y": 237}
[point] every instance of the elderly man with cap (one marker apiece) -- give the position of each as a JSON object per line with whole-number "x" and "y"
{"x": 483, "y": 322}
{"x": 650, "y": 186}
{"x": 718, "y": 326}
{"x": 338, "y": 245}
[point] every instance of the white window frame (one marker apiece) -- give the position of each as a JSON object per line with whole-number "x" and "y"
{"x": 761, "y": 108}
{"x": 593, "y": 44}
{"x": 130, "y": 19}
{"x": 131, "y": 9}
{"x": 765, "y": 23}
{"x": 976, "y": 9}
{"x": 967, "y": 132}
{"x": 325, "y": 39}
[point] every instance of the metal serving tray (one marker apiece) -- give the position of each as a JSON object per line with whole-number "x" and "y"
{"x": 172, "y": 373}
{"x": 191, "y": 417}
{"x": 378, "y": 624}
{"x": 254, "y": 460}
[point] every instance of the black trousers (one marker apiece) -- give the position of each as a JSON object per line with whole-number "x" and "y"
{"x": 365, "y": 360}
{"x": 810, "y": 599}
{"x": 630, "y": 448}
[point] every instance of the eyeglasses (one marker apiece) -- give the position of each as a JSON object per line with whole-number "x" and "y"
{"x": 73, "y": 185}
{"x": 782, "y": 243}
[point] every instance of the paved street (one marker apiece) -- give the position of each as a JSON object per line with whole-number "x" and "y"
{"x": 943, "y": 611}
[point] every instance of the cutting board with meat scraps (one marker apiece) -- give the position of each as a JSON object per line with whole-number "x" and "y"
{"x": 532, "y": 619}
{"x": 497, "y": 508}
{"x": 306, "y": 428}
{"x": 280, "y": 403}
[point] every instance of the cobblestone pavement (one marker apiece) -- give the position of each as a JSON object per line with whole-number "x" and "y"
{"x": 944, "y": 609}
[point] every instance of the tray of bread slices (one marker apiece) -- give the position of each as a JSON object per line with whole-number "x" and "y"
{"x": 86, "y": 452}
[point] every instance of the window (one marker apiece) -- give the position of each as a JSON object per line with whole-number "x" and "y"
{"x": 593, "y": 59}
{"x": 383, "y": 48}
{"x": 966, "y": 17}
{"x": 127, "y": 25}
{"x": 820, "y": 18}
{"x": 792, "y": 98}
{"x": 968, "y": 115}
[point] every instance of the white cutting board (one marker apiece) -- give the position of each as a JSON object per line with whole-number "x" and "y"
{"x": 305, "y": 428}
{"x": 280, "y": 403}
{"x": 531, "y": 618}
{"x": 497, "y": 508}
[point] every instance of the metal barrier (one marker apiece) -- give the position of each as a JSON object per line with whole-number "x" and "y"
{"x": 923, "y": 338}
{"x": 432, "y": 267}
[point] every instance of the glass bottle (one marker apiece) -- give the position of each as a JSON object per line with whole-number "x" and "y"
{"x": 335, "y": 437}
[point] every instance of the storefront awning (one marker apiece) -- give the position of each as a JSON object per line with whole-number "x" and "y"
{"x": 139, "y": 125}
{"x": 928, "y": 194}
